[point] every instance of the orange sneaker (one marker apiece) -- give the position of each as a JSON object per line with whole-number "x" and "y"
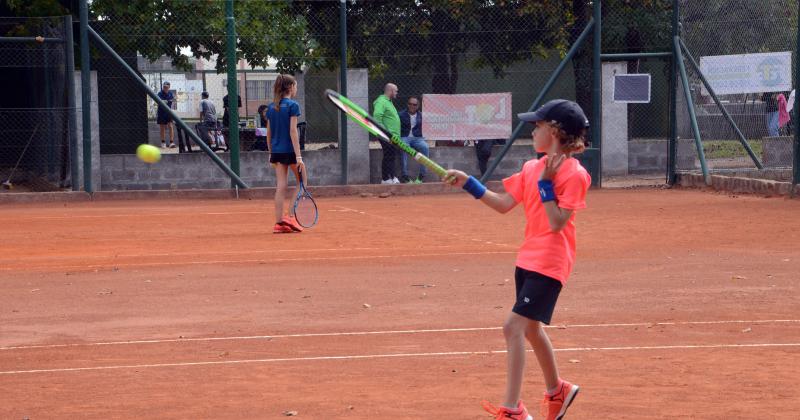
{"x": 555, "y": 406}
{"x": 292, "y": 222}
{"x": 521, "y": 413}
{"x": 282, "y": 228}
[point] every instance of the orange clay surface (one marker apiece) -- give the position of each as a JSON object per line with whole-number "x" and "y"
{"x": 683, "y": 304}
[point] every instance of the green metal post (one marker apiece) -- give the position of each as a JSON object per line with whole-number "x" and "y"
{"x": 725, "y": 113}
{"x": 37, "y": 39}
{"x": 597, "y": 89}
{"x": 233, "y": 89}
{"x": 634, "y": 56}
{"x": 796, "y": 171}
{"x": 343, "y": 86}
{"x": 538, "y": 101}
{"x": 163, "y": 106}
{"x": 72, "y": 120}
{"x": 672, "y": 155}
{"x": 86, "y": 91}
{"x": 690, "y": 104}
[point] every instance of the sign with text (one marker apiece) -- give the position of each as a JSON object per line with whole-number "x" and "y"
{"x": 480, "y": 116}
{"x": 748, "y": 73}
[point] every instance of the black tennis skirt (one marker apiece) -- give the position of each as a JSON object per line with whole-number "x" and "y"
{"x": 283, "y": 158}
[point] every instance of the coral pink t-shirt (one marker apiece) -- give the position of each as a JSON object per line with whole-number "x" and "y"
{"x": 546, "y": 252}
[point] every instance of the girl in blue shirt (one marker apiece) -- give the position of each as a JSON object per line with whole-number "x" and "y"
{"x": 283, "y": 142}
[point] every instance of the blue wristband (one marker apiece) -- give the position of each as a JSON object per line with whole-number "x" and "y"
{"x": 474, "y": 187}
{"x": 546, "y": 191}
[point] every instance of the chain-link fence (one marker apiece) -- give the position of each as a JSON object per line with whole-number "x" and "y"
{"x": 636, "y": 130}
{"x": 34, "y": 109}
{"x": 425, "y": 48}
{"x": 184, "y": 45}
{"x": 458, "y": 48}
{"x": 747, "y": 51}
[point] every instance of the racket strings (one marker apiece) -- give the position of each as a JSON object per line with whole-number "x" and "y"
{"x": 305, "y": 211}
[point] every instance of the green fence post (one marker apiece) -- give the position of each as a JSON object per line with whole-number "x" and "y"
{"x": 692, "y": 116}
{"x": 233, "y": 89}
{"x": 597, "y": 89}
{"x": 86, "y": 91}
{"x": 69, "y": 72}
{"x": 545, "y": 90}
{"x": 672, "y": 154}
{"x": 343, "y": 86}
{"x": 796, "y": 170}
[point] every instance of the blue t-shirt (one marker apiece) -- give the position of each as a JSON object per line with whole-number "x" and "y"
{"x": 279, "y": 125}
{"x": 166, "y": 97}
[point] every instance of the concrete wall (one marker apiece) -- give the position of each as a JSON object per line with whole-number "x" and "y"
{"x": 358, "y": 170}
{"x": 647, "y": 156}
{"x": 96, "y": 162}
{"x": 615, "y": 124}
{"x": 195, "y": 170}
{"x": 463, "y": 158}
{"x": 778, "y": 151}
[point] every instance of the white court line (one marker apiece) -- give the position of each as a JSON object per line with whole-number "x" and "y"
{"x": 245, "y": 261}
{"x": 400, "y": 355}
{"x": 393, "y": 332}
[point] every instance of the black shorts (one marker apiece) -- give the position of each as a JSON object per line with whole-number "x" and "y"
{"x": 537, "y": 295}
{"x": 283, "y": 158}
{"x": 163, "y": 118}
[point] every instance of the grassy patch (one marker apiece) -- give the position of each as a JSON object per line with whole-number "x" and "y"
{"x": 729, "y": 149}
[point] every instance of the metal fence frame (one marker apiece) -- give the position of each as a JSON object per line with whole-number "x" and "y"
{"x": 69, "y": 69}
{"x": 676, "y": 56}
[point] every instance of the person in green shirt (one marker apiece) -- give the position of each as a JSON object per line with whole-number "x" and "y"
{"x": 386, "y": 114}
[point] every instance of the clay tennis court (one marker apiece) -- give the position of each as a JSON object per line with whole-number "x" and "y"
{"x": 683, "y": 304}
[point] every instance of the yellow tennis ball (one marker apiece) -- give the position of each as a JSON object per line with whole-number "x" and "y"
{"x": 148, "y": 153}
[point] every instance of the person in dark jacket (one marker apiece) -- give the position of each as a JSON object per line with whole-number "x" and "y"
{"x": 163, "y": 119}
{"x": 226, "y": 119}
{"x": 411, "y": 134}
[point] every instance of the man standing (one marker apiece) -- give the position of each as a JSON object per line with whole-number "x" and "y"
{"x": 163, "y": 118}
{"x": 386, "y": 114}
{"x": 226, "y": 118}
{"x": 770, "y": 100}
{"x": 411, "y": 134}
{"x": 208, "y": 119}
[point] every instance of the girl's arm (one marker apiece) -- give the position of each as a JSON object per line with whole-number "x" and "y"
{"x": 556, "y": 216}
{"x": 500, "y": 202}
{"x": 269, "y": 138}
{"x": 295, "y": 136}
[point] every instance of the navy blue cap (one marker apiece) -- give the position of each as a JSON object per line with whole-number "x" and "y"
{"x": 567, "y": 113}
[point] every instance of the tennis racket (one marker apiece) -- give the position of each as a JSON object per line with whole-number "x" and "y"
{"x": 357, "y": 114}
{"x": 305, "y": 208}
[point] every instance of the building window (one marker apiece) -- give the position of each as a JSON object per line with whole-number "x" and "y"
{"x": 259, "y": 89}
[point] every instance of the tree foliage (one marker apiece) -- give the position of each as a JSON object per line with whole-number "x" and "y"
{"x": 265, "y": 31}
{"x": 435, "y": 34}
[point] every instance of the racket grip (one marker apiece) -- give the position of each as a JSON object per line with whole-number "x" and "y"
{"x": 433, "y": 166}
{"x": 474, "y": 187}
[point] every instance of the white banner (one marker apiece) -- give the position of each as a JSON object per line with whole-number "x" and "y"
{"x": 482, "y": 116}
{"x": 748, "y": 73}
